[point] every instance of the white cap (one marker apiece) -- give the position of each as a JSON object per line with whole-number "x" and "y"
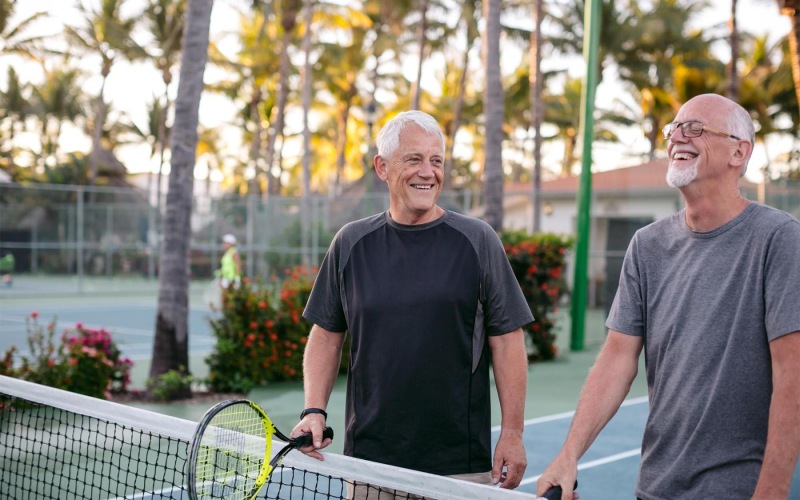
{"x": 229, "y": 238}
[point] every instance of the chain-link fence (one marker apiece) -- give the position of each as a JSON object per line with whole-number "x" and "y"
{"x": 113, "y": 234}
{"x": 109, "y": 240}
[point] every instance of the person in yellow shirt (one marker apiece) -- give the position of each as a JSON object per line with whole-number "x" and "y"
{"x": 230, "y": 270}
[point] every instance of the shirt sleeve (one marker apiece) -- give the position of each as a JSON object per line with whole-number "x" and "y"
{"x": 324, "y": 307}
{"x": 504, "y": 303}
{"x": 781, "y": 279}
{"x": 627, "y": 310}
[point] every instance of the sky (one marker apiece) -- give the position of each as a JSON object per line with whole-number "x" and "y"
{"x": 130, "y": 86}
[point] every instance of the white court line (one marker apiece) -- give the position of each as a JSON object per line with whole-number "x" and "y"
{"x": 121, "y": 330}
{"x": 570, "y": 414}
{"x": 594, "y": 463}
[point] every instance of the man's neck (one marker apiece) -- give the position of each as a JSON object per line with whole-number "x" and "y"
{"x": 708, "y": 212}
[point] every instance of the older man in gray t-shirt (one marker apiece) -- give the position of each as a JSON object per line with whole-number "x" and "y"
{"x": 707, "y": 304}
{"x": 712, "y": 296}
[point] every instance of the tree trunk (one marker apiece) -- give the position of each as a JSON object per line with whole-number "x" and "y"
{"x": 421, "y": 42}
{"x": 274, "y": 181}
{"x": 794, "y": 49}
{"x": 255, "y": 144}
{"x": 100, "y": 112}
{"x": 305, "y": 208}
{"x": 493, "y": 110}
{"x": 733, "y": 72}
{"x": 171, "y": 343}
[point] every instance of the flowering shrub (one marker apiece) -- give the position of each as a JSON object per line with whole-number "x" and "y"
{"x": 262, "y": 334}
{"x": 86, "y": 361}
{"x": 538, "y": 263}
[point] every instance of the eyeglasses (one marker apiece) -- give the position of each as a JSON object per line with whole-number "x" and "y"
{"x": 692, "y": 129}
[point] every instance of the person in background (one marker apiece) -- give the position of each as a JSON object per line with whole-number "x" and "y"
{"x": 230, "y": 271}
{"x": 430, "y": 302}
{"x": 7, "y": 269}
{"x": 711, "y": 295}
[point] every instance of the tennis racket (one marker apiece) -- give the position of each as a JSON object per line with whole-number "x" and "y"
{"x": 554, "y": 493}
{"x": 229, "y": 456}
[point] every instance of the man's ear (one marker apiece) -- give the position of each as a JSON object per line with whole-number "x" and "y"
{"x": 380, "y": 167}
{"x": 741, "y": 153}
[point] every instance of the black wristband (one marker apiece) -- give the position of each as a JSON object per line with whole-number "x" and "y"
{"x": 308, "y": 411}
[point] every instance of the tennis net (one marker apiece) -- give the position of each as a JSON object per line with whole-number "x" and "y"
{"x": 60, "y": 445}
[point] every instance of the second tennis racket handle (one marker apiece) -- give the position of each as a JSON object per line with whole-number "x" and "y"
{"x": 554, "y": 493}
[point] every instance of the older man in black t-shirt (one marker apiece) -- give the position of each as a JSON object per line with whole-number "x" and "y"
{"x": 430, "y": 300}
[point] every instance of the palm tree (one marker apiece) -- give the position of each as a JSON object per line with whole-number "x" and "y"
{"x": 663, "y": 49}
{"x": 430, "y": 34}
{"x": 14, "y": 103}
{"x": 288, "y": 21}
{"x": 105, "y": 33}
{"x": 733, "y": 72}
{"x": 171, "y": 343}
{"x": 791, "y": 8}
{"x": 536, "y": 109}
{"x": 493, "y": 112}
{"x": 305, "y": 209}
{"x": 57, "y": 100}
{"x": 13, "y": 39}
{"x": 164, "y": 20}
{"x": 251, "y": 72}
{"x": 469, "y": 19}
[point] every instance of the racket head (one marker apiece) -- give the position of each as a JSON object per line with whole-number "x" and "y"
{"x": 230, "y": 451}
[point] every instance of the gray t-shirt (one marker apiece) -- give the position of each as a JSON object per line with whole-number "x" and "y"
{"x": 707, "y": 305}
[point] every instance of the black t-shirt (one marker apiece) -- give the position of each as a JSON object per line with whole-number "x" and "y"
{"x": 418, "y": 302}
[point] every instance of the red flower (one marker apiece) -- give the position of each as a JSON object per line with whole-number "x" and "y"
{"x": 35, "y": 314}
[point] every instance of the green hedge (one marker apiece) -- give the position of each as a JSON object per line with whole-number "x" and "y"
{"x": 538, "y": 262}
{"x": 261, "y": 334}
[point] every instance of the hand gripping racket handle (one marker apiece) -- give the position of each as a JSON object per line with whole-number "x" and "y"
{"x": 304, "y": 440}
{"x": 554, "y": 493}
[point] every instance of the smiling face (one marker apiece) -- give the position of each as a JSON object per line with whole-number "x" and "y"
{"x": 706, "y": 156}
{"x": 414, "y": 175}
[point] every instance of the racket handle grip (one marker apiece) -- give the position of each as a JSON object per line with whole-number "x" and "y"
{"x": 304, "y": 440}
{"x": 554, "y": 493}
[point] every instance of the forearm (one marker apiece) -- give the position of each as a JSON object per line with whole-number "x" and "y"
{"x": 783, "y": 437}
{"x": 510, "y": 365}
{"x": 321, "y": 359}
{"x": 606, "y": 386}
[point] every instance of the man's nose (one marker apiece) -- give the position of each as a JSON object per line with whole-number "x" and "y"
{"x": 426, "y": 169}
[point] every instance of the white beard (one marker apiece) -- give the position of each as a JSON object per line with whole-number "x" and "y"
{"x": 679, "y": 178}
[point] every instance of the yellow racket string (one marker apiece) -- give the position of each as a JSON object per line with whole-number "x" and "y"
{"x": 233, "y": 457}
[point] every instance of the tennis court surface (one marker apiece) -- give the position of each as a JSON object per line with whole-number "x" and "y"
{"x": 607, "y": 472}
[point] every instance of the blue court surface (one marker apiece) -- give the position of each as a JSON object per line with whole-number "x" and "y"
{"x": 609, "y": 468}
{"x": 608, "y": 471}
{"x": 131, "y": 321}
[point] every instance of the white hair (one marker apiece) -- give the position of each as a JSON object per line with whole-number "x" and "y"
{"x": 388, "y": 139}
